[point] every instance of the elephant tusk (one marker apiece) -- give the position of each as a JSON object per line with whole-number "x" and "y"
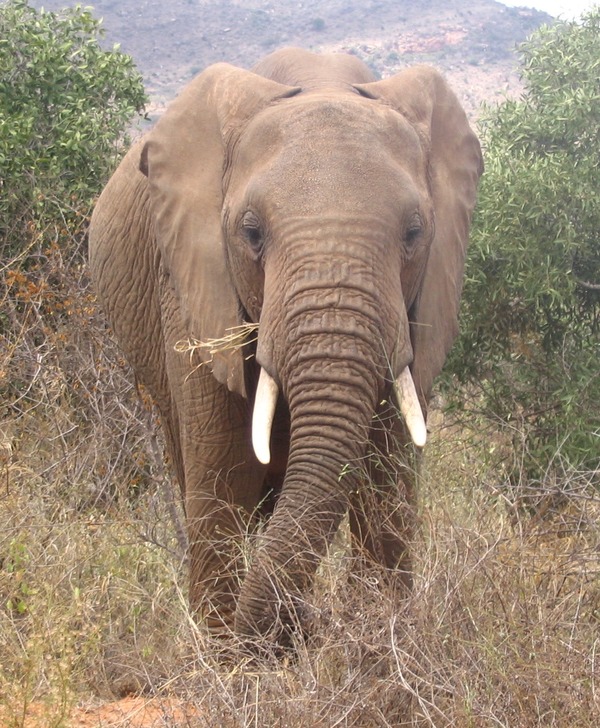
{"x": 262, "y": 417}
{"x": 410, "y": 407}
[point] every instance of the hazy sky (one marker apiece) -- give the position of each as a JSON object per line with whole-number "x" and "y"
{"x": 562, "y": 8}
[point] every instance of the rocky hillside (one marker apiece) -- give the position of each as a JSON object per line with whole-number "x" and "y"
{"x": 471, "y": 40}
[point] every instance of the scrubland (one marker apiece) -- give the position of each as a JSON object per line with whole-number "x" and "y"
{"x": 502, "y": 628}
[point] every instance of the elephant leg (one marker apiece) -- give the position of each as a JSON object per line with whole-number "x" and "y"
{"x": 382, "y": 510}
{"x": 223, "y": 487}
{"x": 208, "y": 429}
{"x": 382, "y": 526}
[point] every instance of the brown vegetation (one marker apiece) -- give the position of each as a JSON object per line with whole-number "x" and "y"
{"x": 502, "y": 629}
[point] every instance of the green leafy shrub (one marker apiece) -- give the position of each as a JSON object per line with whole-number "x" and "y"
{"x": 531, "y": 310}
{"x": 64, "y": 105}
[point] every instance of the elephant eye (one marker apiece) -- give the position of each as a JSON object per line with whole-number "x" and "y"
{"x": 252, "y": 232}
{"x": 414, "y": 230}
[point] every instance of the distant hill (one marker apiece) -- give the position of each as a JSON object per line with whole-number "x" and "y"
{"x": 472, "y": 41}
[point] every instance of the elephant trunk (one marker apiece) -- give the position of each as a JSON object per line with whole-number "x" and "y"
{"x": 332, "y": 325}
{"x": 332, "y": 399}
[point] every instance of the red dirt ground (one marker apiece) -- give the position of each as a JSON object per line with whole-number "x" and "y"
{"x": 129, "y": 712}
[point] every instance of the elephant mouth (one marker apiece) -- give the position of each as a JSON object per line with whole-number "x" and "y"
{"x": 267, "y": 393}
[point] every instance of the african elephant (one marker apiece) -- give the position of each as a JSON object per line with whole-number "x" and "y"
{"x": 303, "y": 227}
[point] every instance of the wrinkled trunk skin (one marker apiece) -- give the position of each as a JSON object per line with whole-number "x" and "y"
{"x": 326, "y": 444}
{"x": 331, "y": 358}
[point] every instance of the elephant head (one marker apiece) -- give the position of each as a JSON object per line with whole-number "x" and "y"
{"x": 331, "y": 210}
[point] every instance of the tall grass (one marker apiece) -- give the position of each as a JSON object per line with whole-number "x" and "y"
{"x": 502, "y": 628}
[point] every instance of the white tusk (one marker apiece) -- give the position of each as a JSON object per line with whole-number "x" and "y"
{"x": 262, "y": 417}
{"x": 410, "y": 407}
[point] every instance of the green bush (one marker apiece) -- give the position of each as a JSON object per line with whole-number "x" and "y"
{"x": 531, "y": 309}
{"x": 64, "y": 105}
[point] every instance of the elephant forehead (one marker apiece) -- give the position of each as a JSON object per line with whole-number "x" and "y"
{"x": 325, "y": 125}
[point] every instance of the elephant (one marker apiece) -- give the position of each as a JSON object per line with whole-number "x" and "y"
{"x": 281, "y": 261}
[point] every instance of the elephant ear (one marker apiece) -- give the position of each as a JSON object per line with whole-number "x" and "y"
{"x": 184, "y": 159}
{"x": 455, "y": 164}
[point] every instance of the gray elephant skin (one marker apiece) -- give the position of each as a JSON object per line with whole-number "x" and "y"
{"x": 332, "y": 211}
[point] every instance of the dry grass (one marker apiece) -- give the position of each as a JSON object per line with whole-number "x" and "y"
{"x": 503, "y": 627}
{"x": 237, "y": 337}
